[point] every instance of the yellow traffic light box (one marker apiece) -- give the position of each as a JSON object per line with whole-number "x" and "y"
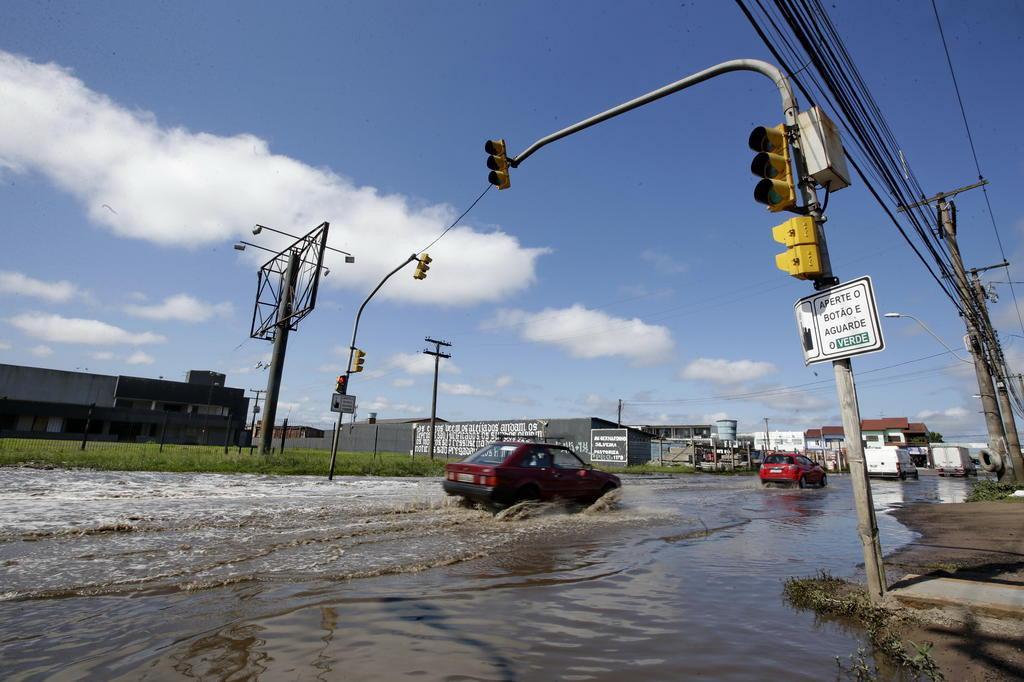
{"x": 358, "y": 358}
{"x": 498, "y": 163}
{"x": 802, "y": 258}
{"x": 776, "y": 189}
{"x": 422, "y": 265}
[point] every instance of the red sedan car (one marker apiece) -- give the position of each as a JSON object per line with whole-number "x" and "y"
{"x": 506, "y": 473}
{"x": 792, "y": 470}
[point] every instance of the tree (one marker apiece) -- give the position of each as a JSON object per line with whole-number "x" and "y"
{"x": 934, "y": 437}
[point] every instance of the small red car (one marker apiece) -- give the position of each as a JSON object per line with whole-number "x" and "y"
{"x": 792, "y": 470}
{"x": 505, "y": 473}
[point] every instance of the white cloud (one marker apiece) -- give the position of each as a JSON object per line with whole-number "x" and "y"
{"x": 140, "y": 358}
{"x": 103, "y": 355}
{"x": 503, "y": 381}
{"x": 726, "y": 372}
{"x": 586, "y": 333}
{"x": 403, "y": 383}
{"x": 383, "y": 404}
{"x": 953, "y": 421}
{"x": 19, "y": 284}
{"x": 181, "y": 307}
{"x": 462, "y": 389}
{"x": 420, "y": 363}
{"x": 4, "y": 345}
{"x": 175, "y": 187}
{"x": 41, "y": 351}
{"x": 58, "y": 329}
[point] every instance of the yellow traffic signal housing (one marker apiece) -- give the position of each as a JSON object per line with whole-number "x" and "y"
{"x": 802, "y": 258}
{"x": 498, "y": 163}
{"x": 358, "y": 358}
{"x": 422, "y": 265}
{"x": 777, "y": 189}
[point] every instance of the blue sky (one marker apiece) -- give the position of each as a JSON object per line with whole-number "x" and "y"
{"x": 138, "y": 141}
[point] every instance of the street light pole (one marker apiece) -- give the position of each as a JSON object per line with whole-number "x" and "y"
{"x": 928, "y": 329}
{"x": 351, "y": 352}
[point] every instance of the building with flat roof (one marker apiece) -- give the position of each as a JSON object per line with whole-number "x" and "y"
{"x": 36, "y": 402}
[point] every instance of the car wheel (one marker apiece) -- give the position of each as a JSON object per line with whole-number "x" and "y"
{"x": 528, "y": 493}
{"x": 802, "y": 482}
{"x": 903, "y": 477}
{"x": 824, "y": 481}
{"x": 917, "y": 476}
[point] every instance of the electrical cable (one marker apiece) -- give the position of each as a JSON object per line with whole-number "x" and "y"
{"x": 457, "y": 220}
{"x": 974, "y": 153}
{"x": 852, "y": 108}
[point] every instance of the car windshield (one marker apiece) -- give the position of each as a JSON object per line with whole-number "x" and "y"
{"x": 491, "y": 454}
{"x": 778, "y": 459}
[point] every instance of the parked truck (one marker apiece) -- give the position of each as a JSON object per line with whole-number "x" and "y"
{"x": 952, "y": 460}
{"x": 890, "y": 462}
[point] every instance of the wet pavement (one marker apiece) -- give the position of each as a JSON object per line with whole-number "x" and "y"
{"x": 164, "y": 576}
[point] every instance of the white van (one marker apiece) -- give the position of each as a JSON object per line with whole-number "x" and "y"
{"x": 890, "y": 462}
{"x": 952, "y": 460}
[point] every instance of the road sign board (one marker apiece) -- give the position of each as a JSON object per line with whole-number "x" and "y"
{"x": 345, "y": 404}
{"x": 839, "y": 322}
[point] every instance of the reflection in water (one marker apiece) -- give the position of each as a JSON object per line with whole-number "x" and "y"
{"x": 382, "y": 580}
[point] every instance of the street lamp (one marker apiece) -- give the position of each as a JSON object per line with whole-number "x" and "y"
{"x": 925, "y": 327}
{"x": 240, "y": 246}
{"x": 349, "y": 258}
{"x": 351, "y": 352}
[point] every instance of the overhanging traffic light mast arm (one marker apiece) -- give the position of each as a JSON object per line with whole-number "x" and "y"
{"x": 355, "y": 325}
{"x": 756, "y": 65}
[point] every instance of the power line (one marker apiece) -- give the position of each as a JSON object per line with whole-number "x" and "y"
{"x": 974, "y": 153}
{"x": 858, "y": 113}
{"x": 820, "y": 384}
{"x": 456, "y": 222}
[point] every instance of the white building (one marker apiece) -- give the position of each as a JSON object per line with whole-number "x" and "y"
{"x": 785, "y": 441}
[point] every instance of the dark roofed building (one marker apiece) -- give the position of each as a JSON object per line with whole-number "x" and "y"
{"x": 36, "y": 402}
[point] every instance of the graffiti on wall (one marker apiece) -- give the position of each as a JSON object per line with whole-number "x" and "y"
{"x": 464, "y": 439}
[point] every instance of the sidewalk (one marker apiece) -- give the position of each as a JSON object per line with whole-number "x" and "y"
{"x": 990, "y": 597}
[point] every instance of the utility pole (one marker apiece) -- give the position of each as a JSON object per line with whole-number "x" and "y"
{"x": 997, "y": 362}
{"x": 433, "y": 403}
{"x": 767, "y": 438}
{"x": 284, "y": 322}
{"x": 619, "y": 422}
{"x": 986, "y": 388}
{"x": 997, "y": 435}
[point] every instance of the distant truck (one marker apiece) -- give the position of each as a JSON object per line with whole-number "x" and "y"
{"x": 953, "y": 460}
{"x": 890, "y": 462}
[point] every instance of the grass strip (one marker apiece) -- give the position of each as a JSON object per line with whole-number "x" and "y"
{"x": 208, "y": 459}
{"x": 991, "y": 491}
{"x": 827, "y": 595}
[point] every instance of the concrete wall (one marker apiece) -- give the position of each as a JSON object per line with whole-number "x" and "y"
{"x": 56, "y": 386}
{"x": 359, "y": 438}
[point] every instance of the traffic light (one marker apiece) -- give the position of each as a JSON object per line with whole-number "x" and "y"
{"x": 358, "y": 357}
{"x": 776, "y": 189}
{"x": 422, "y": 265}
{"x": 802, "y": 258}
{"x": 498, "y": 163}
{"x": 342, "y": 384}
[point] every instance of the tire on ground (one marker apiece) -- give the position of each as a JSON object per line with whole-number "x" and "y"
{"x": 990, "y": 461}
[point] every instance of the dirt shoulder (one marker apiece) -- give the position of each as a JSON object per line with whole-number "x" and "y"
{"x": 971, "y": 541}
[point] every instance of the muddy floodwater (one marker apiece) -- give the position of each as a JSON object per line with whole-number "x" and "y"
{"x": 168, "y": 576}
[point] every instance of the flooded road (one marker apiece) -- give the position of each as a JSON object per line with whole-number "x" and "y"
{"x": 165, "y": 576}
